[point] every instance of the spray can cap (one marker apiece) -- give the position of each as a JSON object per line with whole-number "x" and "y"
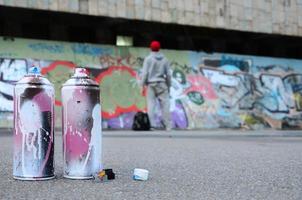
{"x": 80, "y": 72}
{"x": 34, "y": 70}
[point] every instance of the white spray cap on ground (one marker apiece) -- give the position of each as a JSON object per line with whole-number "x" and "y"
{"x": 140, "y": 174}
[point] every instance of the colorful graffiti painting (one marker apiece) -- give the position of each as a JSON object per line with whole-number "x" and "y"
{"x": 208, "y": 90}
{"x": 120, "y": 91}
{"x": 11, "y": 70}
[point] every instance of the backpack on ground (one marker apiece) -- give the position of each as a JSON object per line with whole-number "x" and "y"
{"x": 141, "y": 122}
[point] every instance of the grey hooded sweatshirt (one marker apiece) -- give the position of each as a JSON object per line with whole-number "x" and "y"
{"x": 156, "y": 68}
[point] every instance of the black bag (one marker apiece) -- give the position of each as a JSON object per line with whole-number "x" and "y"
{"x": 141, "y": 122}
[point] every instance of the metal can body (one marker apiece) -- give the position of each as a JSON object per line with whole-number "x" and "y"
{"x": 33, "y": 129}
{"x": 82, "y": 129}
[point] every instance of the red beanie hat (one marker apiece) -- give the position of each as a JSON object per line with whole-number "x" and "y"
{"x": 155, "y": 46}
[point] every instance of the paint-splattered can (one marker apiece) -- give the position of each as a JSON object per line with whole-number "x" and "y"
{"x": 82, "y": 126}
{"x": 33, "y": 128}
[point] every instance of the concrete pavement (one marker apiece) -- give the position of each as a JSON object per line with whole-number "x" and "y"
{"x": 182, "y": 164}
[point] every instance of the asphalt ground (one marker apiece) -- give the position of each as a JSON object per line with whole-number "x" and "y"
{"x": 219, "y": 164}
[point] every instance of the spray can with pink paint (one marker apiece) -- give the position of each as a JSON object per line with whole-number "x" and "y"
{"x": 82, "y": 128}
{"x": 33, "y": 127}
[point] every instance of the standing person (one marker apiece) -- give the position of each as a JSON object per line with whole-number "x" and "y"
{"x": 156, "y": 76}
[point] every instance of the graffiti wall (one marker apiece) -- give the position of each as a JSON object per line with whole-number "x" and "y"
{"x": 208, "y": 90}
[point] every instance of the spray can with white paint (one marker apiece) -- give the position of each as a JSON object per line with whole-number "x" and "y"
{"x": 33, "y": 127}
{"x": 82, "y": 128}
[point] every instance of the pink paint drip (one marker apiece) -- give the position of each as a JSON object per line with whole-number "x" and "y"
{"x": 77, "y": 145}
{"x": 43, "y": 100}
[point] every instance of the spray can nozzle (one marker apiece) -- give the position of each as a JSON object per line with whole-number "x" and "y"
{"x": 35, "y": 70}
{"x": 80, "y": 72}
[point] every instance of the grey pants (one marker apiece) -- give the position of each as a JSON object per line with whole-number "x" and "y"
{"x": 159, "y": 91}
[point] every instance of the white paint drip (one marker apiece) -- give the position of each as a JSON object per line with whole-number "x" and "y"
{"x": 40, "y": 144}
{"x": 30, "y": 124}
{"x": 95, "y": 145}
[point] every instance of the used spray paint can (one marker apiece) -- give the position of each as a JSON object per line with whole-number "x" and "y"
{"x": 82, "y": 128}
{"x": 33, "y": 127}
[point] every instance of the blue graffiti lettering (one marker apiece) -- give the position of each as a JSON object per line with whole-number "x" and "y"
{"x": 243, "y": 65}
{"x": 89, "y": 50}
{"x": 49, "y": 48}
